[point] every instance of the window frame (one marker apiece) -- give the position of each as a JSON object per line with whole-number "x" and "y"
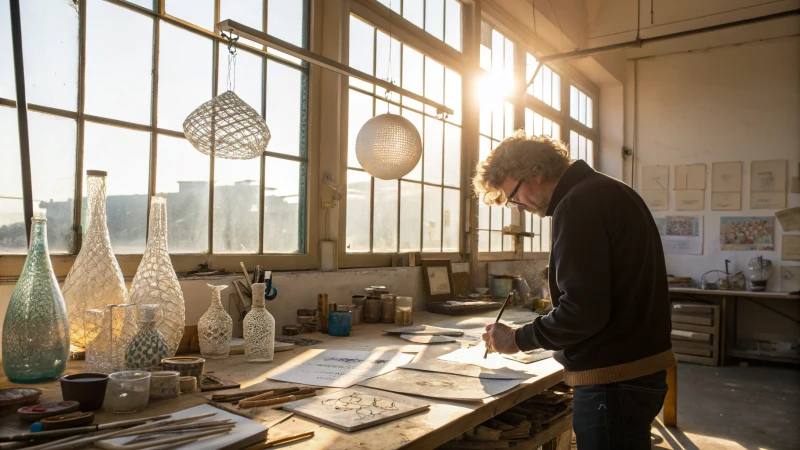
{"x": 183, "y": 262}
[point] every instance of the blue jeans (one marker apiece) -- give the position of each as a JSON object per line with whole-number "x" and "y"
{"x": 617, "y": 416}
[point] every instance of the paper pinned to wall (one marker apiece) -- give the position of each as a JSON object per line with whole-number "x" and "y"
{"x": 789, "y": 218}
{"x": 726, "y": 201}
{"x": 726, "y": 177}
{"x": 746, "y": 233}
{"x": 655, "y": 178}
{"x": 690, "y": 200}
{"x": 767, "y": 200}
{"x": 690, "y": 177}
{"x": 768, "y": 176}
{"x": 790, "y": 247}
{"x": 790, "y": 278}
{"x": 681, "y": 235}
{"x": 656, "y": 200}
{"x": 337, "y": 368}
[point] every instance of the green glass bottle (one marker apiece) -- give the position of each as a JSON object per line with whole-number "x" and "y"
{"x": 36, "y": 330}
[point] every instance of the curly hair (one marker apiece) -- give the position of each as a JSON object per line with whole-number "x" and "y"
{"x": 521, "y": 158}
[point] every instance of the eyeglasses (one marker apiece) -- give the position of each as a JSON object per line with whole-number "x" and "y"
{"x": 510, "y": 199}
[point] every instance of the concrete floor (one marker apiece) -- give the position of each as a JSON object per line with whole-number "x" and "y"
{"x": 753, "y": 408}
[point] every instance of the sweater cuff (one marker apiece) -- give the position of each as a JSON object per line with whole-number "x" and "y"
{"x": 524, "y": 338}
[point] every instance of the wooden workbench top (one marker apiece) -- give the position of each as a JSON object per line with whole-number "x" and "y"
{"x": 444, "y": 421}
{"x": 719, "y": 292}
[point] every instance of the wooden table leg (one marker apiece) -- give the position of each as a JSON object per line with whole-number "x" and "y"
{"x": 671, "y": 400}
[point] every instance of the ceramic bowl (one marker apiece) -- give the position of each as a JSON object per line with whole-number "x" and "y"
{"x": 88, "y": 389}
{"x": 186, "y": 365}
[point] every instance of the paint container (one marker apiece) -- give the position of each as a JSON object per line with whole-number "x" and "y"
{"x": 339, "y": 323}
{"x": 387, "y": 308}
{"x": 88, "y": 389}
{"x": 164, "y": 384}
{"x": 188, "y": 384}
{"x": 127, "y": 392}
{"x": 372, "y": 313}
{"x": 322, "y": 312}
{"x": 404, "y": 312}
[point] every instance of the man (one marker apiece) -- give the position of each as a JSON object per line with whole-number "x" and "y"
{"x": 610, "y": 322}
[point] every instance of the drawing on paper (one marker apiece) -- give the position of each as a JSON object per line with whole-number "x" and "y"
{"x": 439, "y": 280}
{"x": 365, "y": 406}
{"x": 747, "y": 233}
{"x": 683, "y": 226}
{"x": 337, "y": 368}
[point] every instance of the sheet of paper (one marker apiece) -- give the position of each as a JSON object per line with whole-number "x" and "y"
{"x": 439, "y": 385}
{"x": 683, "y": 235}
{"x": 425, "y": 330}
{"x": 767, "y": 200}
{"x": 768, "y": 176}
{"x": 726, "y": 177}
{"x": 790, "y": 247}
{"x": 789, "y": 218}
{"x": 690, "y": 200}
{"x": 655, "y": 178}
{"x": 493, "y": 361}
{"x": 746, "y": 233}
{"x": 467, "y": 370}
{"x": 656, "y": 200}
{"x": 690, "y": 177}
{"x": 790, "y": 278}
{"x": 726, "y": 201}
{"x": 337, "y": 368}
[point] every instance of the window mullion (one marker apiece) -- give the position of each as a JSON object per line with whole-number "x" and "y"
{"x": 151, "y": 189}
{"x": 77, "y": 230}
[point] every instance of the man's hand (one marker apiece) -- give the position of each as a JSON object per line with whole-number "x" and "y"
{"x": 500, "y": 338}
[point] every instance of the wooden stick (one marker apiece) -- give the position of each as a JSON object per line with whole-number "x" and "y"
{"x": 502, "y": 308}
{"x": 184, "y": 426}
{"x": 108, "y": 445}
{"x": 275, "y": 401}
{"x": 283, "y": 440}
{"x": 263, "y": 396}
{"x": 246, "y": 275}
{"x": 150, "y": 435}
{"x": 224, "y": 398}
{"x": 54, "y": 434}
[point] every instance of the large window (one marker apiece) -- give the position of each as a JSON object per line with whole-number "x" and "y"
{"x": 580, "y": 106}
{"x": 421, "y": 211}
{"x": 144, "y": 73}
{"x": 440, "y": 18}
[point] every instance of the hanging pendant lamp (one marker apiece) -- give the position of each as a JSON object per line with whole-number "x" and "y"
{"x": 388, "y": 146}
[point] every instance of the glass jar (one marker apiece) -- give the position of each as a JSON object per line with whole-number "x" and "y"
{"x": 127, "y": 392}
{"x": 372, "y": 314}
{"x": 403, "y": 316}
{"x": 758, "y": 272}
{"x": 387, "y": 308}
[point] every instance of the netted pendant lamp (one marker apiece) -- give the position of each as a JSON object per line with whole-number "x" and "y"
{"x": 388, "y": 146}
{"x": 227, "y": 127}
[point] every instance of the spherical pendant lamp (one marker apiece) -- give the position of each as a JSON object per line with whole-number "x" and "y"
{"x": 388, "y": 146}
{"x": 227, "y": 127}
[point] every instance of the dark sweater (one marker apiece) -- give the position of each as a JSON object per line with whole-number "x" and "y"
{"x": 608, "y": 283}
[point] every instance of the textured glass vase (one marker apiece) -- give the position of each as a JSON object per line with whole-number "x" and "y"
{"x": 117, "y": 325}
{"x": 35, "y": 329}
{"x": 155, "y": 281}
{"x": 95, "y": 279}
{"x": 215, "y": 327}
{"x": 148, "y": 347}
{"x": 259, "y": 329}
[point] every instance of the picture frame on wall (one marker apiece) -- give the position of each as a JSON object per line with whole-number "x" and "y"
{"x": 437, "y": 276}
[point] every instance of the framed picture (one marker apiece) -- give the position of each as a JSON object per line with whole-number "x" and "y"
{"x": 437, "y": 274}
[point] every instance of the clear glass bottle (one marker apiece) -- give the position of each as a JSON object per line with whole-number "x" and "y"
{"x": 148, "y": 347}
{"x": 95, "y": 279}
{"x": 215, "y": 327}
{"x": 117, "y": 325}
{"x": 36, "y": 329}
{"x": 155, "y": 281}
{"x": 259, "y": 329}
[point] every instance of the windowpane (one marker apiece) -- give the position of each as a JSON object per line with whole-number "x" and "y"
{"x": 384, "y": 239}
{"x": 496, "y": 241}
{"x": 483, "y": 215}
{"x": 433, "y": 150}
{"x": 394, "y": 5}
{"x": 573, "y": 103}
{"x": 573, "y": 145}
{"x": 496, "y": 217}
{"x": 387, "y": 62}
{"x": 359, "y": 191}
{"x": 246, "y": 12}
{"x": 509, "y": 120}
{"x": 582, "y": 106}
{"x": 556, "y": 92}
{"x": 434, "y": 18}
{"x": 589, "y": 112}
{"x": 452, "y": 155}
{"x": 184, "y": 80}
{"x": 483, "y": 241}
{"x": 450, "y": 220}
{"x": 508, "y": 243}
{"x": 434, "y": 83}
{"x": 197, "y": 12}
{"x": 7, "y": 84}
{"x": 50, "y": 46}
{"x": 186, "y": 191}
{"x": 498, "y": 125}
{"x": 52, "y": 145}
{"x": 359, "y": 112}
{"x": 12, "y": 216}
{"x": 362, "y": 42}
{"x": 547, "y": 85}
{"x": 590, "y": 152}
{"x": 432, "y": 220}
{"x": 416, "y": 119}
{"x": 413, "y": 11}
{"x": 452, "y": 95}
{"x": 286, "y": 20}
{"x": 119, "y": 69}
{"x": 245, "y": 77}
{"x": 452, "y": 25}
{"x": 286, "y": 97}
{"x": 284, "y": 206}
{"x": 412, "y": 75}
{"x": 536, "y": 228}
{"x": 486, "y": 118}
{"x": 546, "y": 227}
{"x": 127, "y": 162}
{"x": 236, "y": 197}
{"x": 410, "y": 216}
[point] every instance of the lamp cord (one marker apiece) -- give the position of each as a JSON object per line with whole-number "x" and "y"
{"x": 231, "y": 82}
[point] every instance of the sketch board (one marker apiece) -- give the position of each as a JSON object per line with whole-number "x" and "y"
{"x": 690, "y": 200}
{"x": 655, "y": 178}
{"x": 746, "y": 233}
{"x": 425, "y": 330}
{"x": 790, "y": 247}
{"x": 337, "y": 368}
{"x": 439, "y": 385}
{"x": 726, "y": 201}
{"x": 690, "y": 177}
{"x": 356, "y": 409}
{"x": 726, "y": 177}
{"x": 789, "y": 218}
{"x": 426, "y": 339}
{"x": 790, "y": 278}
{"x": 768, "y": 176}
{"x": 467, "y": 370}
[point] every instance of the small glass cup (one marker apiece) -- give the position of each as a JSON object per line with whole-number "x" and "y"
{"x": 127, "y": 391}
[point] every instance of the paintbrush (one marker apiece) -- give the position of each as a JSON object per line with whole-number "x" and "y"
{"x": 502, "y": 308}
{"x": 292, "y": 438}
{"x": 67, "y": 432}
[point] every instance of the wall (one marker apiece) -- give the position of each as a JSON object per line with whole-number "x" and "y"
{"x": 732, "y": 103}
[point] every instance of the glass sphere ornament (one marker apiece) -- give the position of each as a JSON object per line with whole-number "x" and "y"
{"x": 227, "y": 127}
{"x": 388, "y": 146}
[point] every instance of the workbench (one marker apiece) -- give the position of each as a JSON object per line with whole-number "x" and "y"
{"x": 444, "y": 421}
